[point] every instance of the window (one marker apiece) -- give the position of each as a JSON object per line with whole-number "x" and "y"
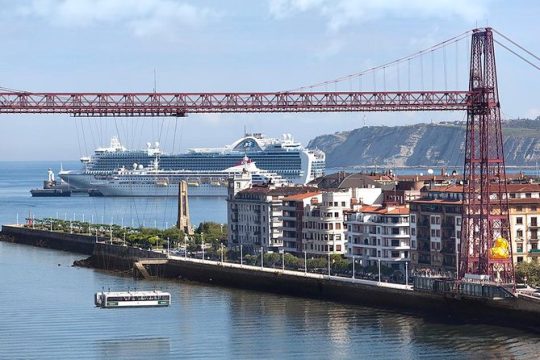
{"x": 519, "y": 219}
{"x": 413, "y": 219}
{"x": 413, "y": 231}
{"x": 519, "y": 234}
{"x": 519, "y": 248}
{"x": 395, "y": 243}
{"x": 343, "y": 204}
{"x": 534, "y": 221}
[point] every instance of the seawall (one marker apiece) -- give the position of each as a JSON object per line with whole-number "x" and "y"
{"x": 77, "y": 243}
{"x": 394, "y": 297}
{"x": 515, "y": 312}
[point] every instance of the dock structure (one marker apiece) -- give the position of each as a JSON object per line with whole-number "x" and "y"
{"x": 480, "y": 302}
{"x": 139, "y": 267}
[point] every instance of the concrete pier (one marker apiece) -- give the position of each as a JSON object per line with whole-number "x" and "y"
{"x": 517, "y": 311}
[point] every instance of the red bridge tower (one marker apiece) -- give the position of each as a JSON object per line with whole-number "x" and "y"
{"x": 485, "y": 232}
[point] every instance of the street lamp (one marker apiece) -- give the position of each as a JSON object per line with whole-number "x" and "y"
{"x": 379, "y": 261}
{"x": 353, "y": 261}
{"x": 241, "y": 256}
{"x": 262, "y": 257}
{"x": 221, "y": 253}
{"x": 305, "y": 262}
{"x": 328, "y": 264}
{"x": 406, "y": 273}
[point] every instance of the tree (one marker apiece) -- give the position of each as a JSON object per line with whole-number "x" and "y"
{"x": 528, "y": 273}
{"x": 213, "y": 232}
{"x": 271, "y": 259}
{"x": 292, "y": 261}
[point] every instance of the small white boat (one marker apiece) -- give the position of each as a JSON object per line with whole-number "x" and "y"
{"x": 114, "y": 299}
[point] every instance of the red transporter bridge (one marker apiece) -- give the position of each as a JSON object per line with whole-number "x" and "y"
{"x": 485, "y": 240}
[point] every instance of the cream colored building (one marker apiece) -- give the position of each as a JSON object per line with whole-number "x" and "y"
{"x": 324, "y": 229}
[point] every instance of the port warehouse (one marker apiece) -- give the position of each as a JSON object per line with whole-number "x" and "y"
{"x": 362, "y": 292}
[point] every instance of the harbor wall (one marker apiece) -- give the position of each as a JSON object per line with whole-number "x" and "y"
{"x": 78, "y": 243}
{"x": 512, "y": 312}
{"x": 119, "y": 257}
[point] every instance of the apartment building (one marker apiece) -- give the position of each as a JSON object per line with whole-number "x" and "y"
{"x": 323, "y": 224}
{"x": 436, "y": 225}
{"x": 255, "y": 216}
{"x": 379, "y": 234}
{"x": 293, "y": 217}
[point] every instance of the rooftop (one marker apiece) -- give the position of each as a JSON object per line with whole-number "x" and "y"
{"x": 387, "y": 210}
{"x": 302, "y": 196}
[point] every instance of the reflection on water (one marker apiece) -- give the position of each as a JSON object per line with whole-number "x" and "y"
{"x": 131, "y": 348}
{"x": 48, "y": 313}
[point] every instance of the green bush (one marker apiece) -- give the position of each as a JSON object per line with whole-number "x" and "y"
{"x": 528, "y": 273}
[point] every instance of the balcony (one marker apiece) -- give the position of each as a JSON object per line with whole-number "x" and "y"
{"x": 534, "y": 252}
{"x": 448, "y": 225}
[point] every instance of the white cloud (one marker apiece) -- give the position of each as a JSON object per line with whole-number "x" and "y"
{"x": 340, "y": 13}
{"x": 532, "y": 113}
{"x": 143, "y": 17}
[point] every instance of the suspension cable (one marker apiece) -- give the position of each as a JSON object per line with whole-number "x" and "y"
{"x": 404, "y": 58}
{"x": 516, "y": 44}
{"x": 518, "y": 55}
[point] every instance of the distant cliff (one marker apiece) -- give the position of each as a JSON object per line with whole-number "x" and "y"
{"x": 440, "y": 144}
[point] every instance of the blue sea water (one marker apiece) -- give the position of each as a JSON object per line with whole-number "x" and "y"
{"x": 48, "y": 310}
{"x": 18, "y": 178}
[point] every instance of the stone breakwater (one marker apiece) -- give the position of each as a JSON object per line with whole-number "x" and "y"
{"x": 516, "y": 312}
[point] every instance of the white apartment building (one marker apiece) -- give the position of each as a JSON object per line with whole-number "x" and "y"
{"x": 377, "y": 233}
{"x": 293, "y": 215}
{"x": 324, "y": 229}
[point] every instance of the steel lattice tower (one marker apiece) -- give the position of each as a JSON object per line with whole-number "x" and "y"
{"x": 485, "y": 217}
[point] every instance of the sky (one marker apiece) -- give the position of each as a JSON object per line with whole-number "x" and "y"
{"x": 243, "y": 45}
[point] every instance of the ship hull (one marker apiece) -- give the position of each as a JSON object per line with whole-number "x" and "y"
{"x": 152, "y": 190}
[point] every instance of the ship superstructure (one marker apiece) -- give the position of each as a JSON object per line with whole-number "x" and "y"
{"x": 283, "y": 156}
{"x": 153, "y": 181}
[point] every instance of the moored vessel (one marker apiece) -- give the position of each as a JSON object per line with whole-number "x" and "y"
{"x": 153, "y": 181}
{"x": 284, "y": 156}
{"x": 115, "y": 299}
{"x": 51, "y": 187}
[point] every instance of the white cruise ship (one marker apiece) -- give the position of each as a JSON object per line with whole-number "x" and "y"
{"x": 284, "y": 156}
{"x": 153, "y": 181}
